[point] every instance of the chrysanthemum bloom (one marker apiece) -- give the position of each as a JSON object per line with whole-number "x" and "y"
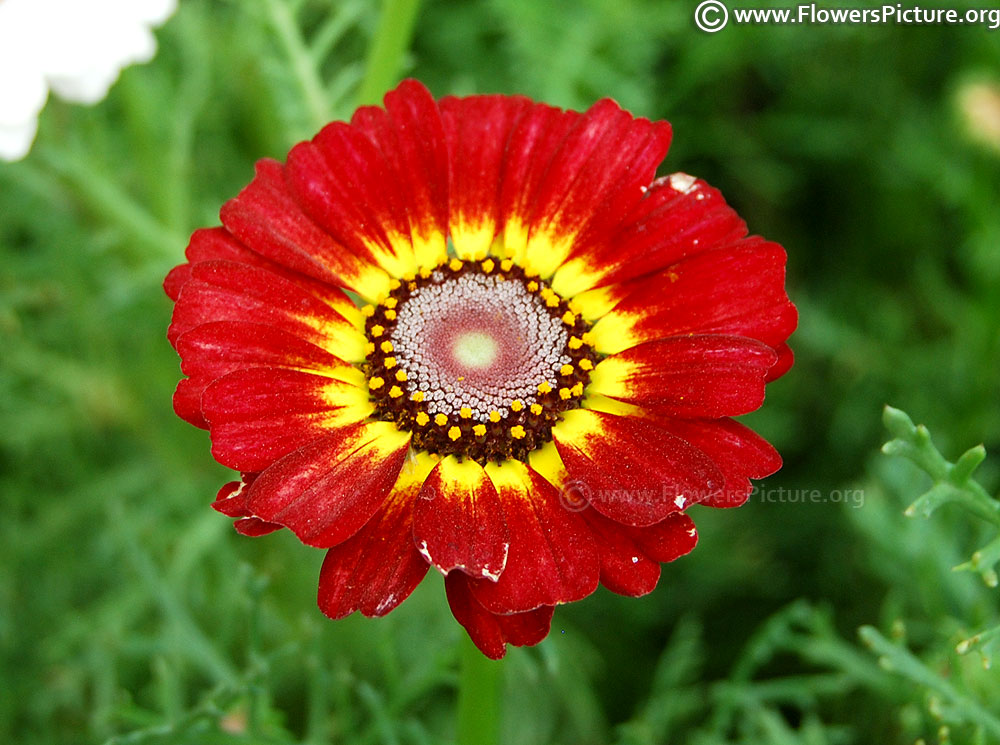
{"x": 74, "y": 47}
{"x": 477, "y": 334}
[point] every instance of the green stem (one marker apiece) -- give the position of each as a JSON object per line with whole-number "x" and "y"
{"x": 112, "y": 203}
{"x": 478, "y": 698}
{"x": 191, "y": 638}
{"x": 303, "y": 65}
{"x": 385, "y": 55}
{"x": 900, "y": 660}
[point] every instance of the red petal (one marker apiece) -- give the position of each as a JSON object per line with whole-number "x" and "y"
{"x": 625, "y": 569}
{"x": 254, "y": 527}
{"x": 630, "y": 557}
{"x": 678, "y": 217}
{"x": 738, "y": 290}
{"x": 785, "y": 359}
{"x": 231, "y": 499}
{"x": 410, "y": 135}
{"x": 667, "y": 540}
{"x": 577, "y": 180}
{"x": 690, "y": 376}
{"x": 232, "y": 502}
{"x": 226, "y": 291}
{"x": 614, "y": 180}
{"x": 552, "y": 557}
{"x": 345, "y": 184}
{"x": 207, "y": 244}
{"x": 187, "y": 401}
{"x": 212, "y": 350}
{"x": 631, "y": 471}
{"x": 266, "y": 218}
{"x": 492, "y": 632}
{"x": 326, "y": 491}
{"x": 260, "y": 414}
{"x": 598, "y": 171}
{"x": 477, "y": 130}
{"x": 378, "y": 567}
{"x": 176, "y": 278}
{"x": 216, "y": 244}
{"x": 740, "y": 453}
{"x": 533, "y": 142}
{"x": 459, "y": 520}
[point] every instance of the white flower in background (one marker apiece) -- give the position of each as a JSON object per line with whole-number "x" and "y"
{"x": 76, "y": 48}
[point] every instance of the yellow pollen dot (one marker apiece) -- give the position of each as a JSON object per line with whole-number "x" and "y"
{"x": 455, "y": 264}
{"x": 376, "y": 383}
{"x": 566, "y": 370}
{"x": 577, "y": 390}
{"x": 465, "y": 412}
{"x": 488, "y": 265}
{"x": 401, "y": 375}
{"x": 390, "y": 315}
{"x": 409, "y": 277}
{"x": 422, "y": 418}
{"x": 411, "y": 286}
{"x": 394, "y": 284}
{"x": 417, "y": 396}
{"x": 494, "y": 416}
{"x": 564, "y": 393}
{"x": 426, "y": 272}
{"x": 544, "y": 387}
{"x": 479, "y": 430}
{"x": 396, "y": 391}
{"x": 575, "y": 342}
{"x": 552, "y": 301}
{"x": 516, "y": 405}
{"x": 588, "y": 337}
{"x": 585, "y": 364}
{"x": 506, "y": 265}
{"x": 369, "y": 348}
{"x": 377, "y": 331}
{"x": 368, "y": 311}
{"x": 536, "y": 409}
{"x": 568, "y": 318}
{"x": 454, "y": 433}
{"x": 390, "y": 362}
{"x": 517, "y": 432}
{"x": 546, "y": 293}
{"x": 461, "y": 378}
{"x": 532, "y": 286}
{"x": 440, "y": 420}
{"x": 386, "y": 346}
{"x": 390, "y": 302}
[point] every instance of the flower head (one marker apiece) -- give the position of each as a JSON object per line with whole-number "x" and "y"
{"x": 536, "y": 382}
{"x": 75, "y": 48}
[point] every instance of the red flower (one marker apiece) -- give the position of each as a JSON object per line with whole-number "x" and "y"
{"x": 537, "y": 384}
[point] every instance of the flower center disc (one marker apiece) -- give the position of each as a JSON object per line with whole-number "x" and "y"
{"x": 475, "y": 349}
{"x": 476, "y": 359}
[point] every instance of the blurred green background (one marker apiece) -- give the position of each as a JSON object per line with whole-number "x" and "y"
{"x": 131, "y": 611}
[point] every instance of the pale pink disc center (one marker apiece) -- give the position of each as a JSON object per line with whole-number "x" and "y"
{"x": 478, "y": 342}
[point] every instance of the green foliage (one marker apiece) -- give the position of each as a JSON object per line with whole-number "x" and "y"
{"x": 958, "y": 698}
{"x": 131, "y": 613}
